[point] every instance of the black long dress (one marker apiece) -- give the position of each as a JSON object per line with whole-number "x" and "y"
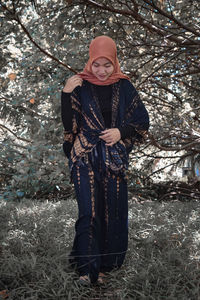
{"x": 98, "y": 171}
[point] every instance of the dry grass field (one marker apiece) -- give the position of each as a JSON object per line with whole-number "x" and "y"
{"x": 162, "y": 262}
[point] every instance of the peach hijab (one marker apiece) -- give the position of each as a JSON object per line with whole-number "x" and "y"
{"x": 102, "y": 46}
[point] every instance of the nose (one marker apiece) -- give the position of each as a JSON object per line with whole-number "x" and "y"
{"x": 102, "y": 70}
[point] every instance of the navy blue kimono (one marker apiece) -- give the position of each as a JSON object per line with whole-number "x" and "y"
{"x": 98, "y": 174}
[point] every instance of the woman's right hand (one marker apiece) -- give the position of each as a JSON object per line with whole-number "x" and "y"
{"x": 72, "y": 83}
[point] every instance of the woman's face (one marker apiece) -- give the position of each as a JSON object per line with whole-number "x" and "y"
{"x": 102, "y": 68}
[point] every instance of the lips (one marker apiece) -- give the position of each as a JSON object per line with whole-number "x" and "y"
{"x": 102, "y": 76}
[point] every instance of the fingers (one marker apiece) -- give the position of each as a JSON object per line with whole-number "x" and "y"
{"x": 76, "y": 80}
{"x": 106, "y": 133}
{"x": 110, "y": 143}
{"x": 105, "y": 137}
{"x": 110, "y": 136}
{"x": 72, "y": 83}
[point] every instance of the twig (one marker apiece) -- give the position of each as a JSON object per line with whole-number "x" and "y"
{"x": 159, "y": 170}
{"x": 167, "y": 89}
{"x": 157, "y": 69}
{"x": 19, "y": 138}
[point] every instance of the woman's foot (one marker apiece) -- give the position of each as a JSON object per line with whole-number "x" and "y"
{"x": 101, "y": 278}
{"x": 84, "y": 280}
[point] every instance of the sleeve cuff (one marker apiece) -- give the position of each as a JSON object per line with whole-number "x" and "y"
{"x": 127, "y": 131}
{"x": 65, "y": 93}
{"x": 67, "y": 148}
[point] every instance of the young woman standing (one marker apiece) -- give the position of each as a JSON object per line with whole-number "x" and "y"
{"x": 103, "y": 117}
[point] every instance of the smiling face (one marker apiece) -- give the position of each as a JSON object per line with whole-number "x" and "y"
{"x": 102, "y": 68}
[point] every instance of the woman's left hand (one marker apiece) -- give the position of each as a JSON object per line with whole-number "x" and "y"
{"x": 110, "y": 136}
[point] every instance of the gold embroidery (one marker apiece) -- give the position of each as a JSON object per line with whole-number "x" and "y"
{"x": 89, "y": 121}
{"x": 68, "y": 136}
{"x": 117, "y": 212}
{"x": 106, "y": 200}
{"x": 95, "y": 116}
{"x": 91, "y": 176}
{"x": 75, "y": 104}
{"x": 81, "y": 147}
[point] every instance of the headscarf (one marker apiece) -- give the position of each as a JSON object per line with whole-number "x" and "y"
{"x": 102, "y": 46}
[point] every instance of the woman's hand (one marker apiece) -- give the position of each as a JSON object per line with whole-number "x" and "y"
{"x": 72, "y": 83}
{"x": 110, "y": 136}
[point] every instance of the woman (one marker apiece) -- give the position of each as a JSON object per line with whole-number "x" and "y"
{"x": 103, "y": 116}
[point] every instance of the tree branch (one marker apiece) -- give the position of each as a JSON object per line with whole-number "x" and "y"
{"x": 24, "y": 108}
{"x": 182, "y": 147}
{"x": 157, "y": 69}
{"x": 16, "y": 18}
{"x": 167, "y": 89}
{"x": 3, "y": 127}
{"x": 171, "y": 17}
{"x": 150, "y": 26}
{"x": 159, "y": 170}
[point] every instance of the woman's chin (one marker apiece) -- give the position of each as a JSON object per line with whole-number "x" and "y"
{"x": 102, "y": 78}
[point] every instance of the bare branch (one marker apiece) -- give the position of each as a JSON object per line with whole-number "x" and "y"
{"x": 167, "y": 89}
{"x": 142, "y": 21}
{"x": 178, "y": 148}
{"x": 157, "y": 69}
{"x": 159, "y": 170}
{"x": 171, "y": 17}
{"x": 3, "y": 127}
{"x": 16, "y": 18}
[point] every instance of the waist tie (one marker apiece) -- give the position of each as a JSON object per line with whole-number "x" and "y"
{"x": 104, "y": 158}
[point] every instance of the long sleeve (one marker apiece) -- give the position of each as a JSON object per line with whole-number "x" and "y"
{"x": 136, "y": 121}
{"x": 127, "y": 131}
{"x": 66, "y": 115}
{"x": 66, "y": 110}
{"x": 140, "y": 121}
{"x": 70, "y": 113}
